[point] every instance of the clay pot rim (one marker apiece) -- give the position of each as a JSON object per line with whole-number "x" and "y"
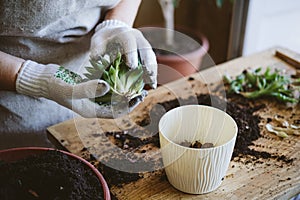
{"x": 27, "y": 151}
{"x": 199, "y": 52}
{"x": 188, "y": 32}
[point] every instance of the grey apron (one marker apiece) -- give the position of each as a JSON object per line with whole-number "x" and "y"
{"x": 52, "y": 31}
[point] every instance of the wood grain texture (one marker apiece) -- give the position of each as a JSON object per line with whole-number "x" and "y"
{"x": 268, "y": 179}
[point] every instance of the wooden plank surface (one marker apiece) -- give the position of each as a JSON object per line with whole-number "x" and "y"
{"x": 268, "y": 179}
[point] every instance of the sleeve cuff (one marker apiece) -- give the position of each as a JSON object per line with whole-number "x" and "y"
{"x": 33, "y": 78}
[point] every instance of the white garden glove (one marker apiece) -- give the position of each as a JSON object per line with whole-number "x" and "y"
{"x": 40, "y": 80}
{"x": 112, "y": 36}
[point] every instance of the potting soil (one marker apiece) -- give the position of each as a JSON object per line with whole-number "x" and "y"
{"x": 49, "y": 176}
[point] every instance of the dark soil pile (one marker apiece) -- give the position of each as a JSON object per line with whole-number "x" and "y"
{"x": 116, "y": 177}
{"x": 240, "y": 109}
{"x": 128, "y": 143}
{"x": 48, "y": 176}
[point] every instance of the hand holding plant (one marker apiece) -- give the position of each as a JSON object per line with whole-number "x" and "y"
{"x": 126, "y": 85}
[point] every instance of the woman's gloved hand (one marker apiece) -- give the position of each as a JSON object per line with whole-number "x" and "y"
{"x": 40, "y": 80}
{"x": 112, "y": 36}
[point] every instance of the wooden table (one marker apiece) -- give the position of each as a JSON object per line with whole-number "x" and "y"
{"x": 265, "y": 180}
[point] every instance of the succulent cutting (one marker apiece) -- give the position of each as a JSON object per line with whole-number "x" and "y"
{"x": 255, "y": 84}
{"x": 125, "y": 83}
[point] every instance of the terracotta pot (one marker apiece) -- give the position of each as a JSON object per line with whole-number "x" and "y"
{"x": 14, "y": 154}
{"x": 175, "y": 64}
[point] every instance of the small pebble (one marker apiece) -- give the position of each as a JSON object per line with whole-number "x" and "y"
{"x": 185, "y": 144}
{"x": 207, "y": 145}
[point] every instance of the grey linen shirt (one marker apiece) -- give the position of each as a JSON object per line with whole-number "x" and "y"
{"x": 45, "y": 31}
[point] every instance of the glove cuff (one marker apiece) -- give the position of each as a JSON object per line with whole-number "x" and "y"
{"x": 33, "y": 78}
{"x": 111, "y": 22}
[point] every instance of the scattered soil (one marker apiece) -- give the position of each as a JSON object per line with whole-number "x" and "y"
{"x": 243, "y": 111}
{"x": 127, "y": 141}
{"x": 132, "y": 144}
{"x": 48, "y": 176}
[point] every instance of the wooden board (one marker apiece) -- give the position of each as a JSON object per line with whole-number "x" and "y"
{"x": 269, "y": 179}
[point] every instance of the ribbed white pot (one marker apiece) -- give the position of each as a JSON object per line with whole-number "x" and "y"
{"x": 192, "y": 170}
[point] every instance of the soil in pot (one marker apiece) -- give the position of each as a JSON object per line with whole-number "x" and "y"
{"x": 49, "y": 175}
{"x": 196, "y": 144}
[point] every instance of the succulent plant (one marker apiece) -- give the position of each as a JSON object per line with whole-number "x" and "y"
{"x": 254, "y": 84}
{"x": 124, "y": 82}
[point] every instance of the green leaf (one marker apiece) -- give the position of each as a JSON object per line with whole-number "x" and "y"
{"x": 132, "y": 77}
{"x": 252, "y": 78}
{"x": 89, "y": 76}
{"x": 90, "y": 70}
{"x": 97, "y": 66}
{"x": 107, "y": 78}
{"x": 104, "y": 61}
{"x": 283, "y": 97}
{"x": 138, "y": 84}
